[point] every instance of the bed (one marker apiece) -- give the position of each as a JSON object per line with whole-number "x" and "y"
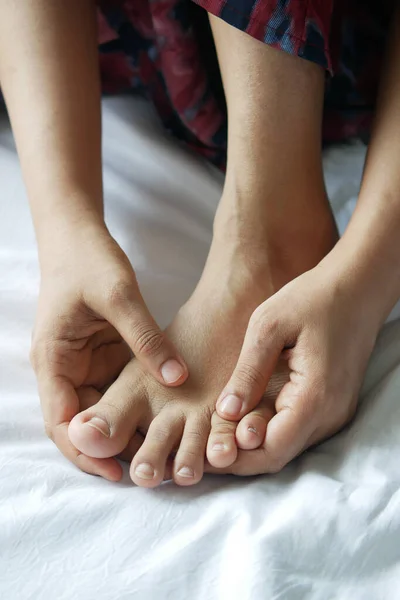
{"x": 325, "y": 528}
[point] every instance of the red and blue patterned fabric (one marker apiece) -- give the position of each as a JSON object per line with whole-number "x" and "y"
{"x": 164, "y": 49}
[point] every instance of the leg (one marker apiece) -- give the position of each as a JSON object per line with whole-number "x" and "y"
{"x": 274, "y": 185}
{"x": 273, "y": 223}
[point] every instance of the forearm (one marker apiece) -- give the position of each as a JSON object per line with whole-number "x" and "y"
{"x": 370, "y": 247}
{"x": 49, "y": 77}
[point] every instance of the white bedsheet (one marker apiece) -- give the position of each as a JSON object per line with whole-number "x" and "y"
{"x": 328, "y": 527}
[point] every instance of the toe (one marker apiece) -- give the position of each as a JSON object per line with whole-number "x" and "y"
{"x": 148, "y": 468}
{"x": 250, "y": 432}
{"x": 104, "y": 430}
{"x": 189, "y": 460}
{"x": 221, "y": 445}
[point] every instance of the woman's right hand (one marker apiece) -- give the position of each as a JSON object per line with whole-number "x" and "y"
{"x": 90, "y": 317}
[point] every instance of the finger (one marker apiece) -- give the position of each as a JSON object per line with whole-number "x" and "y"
{"x": 288, "y": 434}
{"x": 264, "y": 341}
{"x": 127, "y": 312}
{"x": 221, "y": 445}
{"x": 251, "y": 430}
{"x": 59, "y": 404}
{"x": 105, "y": 429}
{"x": 293, "y": 426}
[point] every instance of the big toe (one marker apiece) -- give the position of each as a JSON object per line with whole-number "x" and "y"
{"x": 104, "y": 430}
{"x": 221, "y": 446}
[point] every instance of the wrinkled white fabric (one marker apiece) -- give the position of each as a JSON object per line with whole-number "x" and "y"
{"x": 327, "y": 527}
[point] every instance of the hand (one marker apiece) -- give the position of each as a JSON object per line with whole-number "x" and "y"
{"x": 325, "y": 330}
{"x": 89, "y": 306}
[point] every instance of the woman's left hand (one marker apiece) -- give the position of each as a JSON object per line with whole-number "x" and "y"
{"x": 324, "y": 329}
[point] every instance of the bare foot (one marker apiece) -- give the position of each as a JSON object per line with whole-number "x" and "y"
{"x": 209, "y": 331}
{"x": 248, "y": 432}
{"x": 251, "y": 458}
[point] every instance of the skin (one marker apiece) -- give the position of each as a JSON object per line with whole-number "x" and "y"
{"x": 336, "y": 311}
{"x": 272, "y": 231}
{"x": 255, "y": 251}
{"x": 309, "y": 343}
{"x": 89, "y": 300}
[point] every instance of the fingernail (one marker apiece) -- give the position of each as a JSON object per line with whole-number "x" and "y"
{"x": 218, "y": 447}
{"x": 99, "y": 424}
{"x": 186, "y": 472}
{"x": 230, "y": 405}
{"x": 144, "y": 471}
{"x": 172, "y": 371}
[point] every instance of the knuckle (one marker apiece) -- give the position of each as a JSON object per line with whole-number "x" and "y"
{"x": 42, "y": 354}
{"x": 249, "y": 376}
{"x": 148, "y": 341}
{"x": 319, "y": 385}
{"x": 258, "y": 317}
{"x": 256, "y": 320}
{"x": 119, "y": 291}
{"x": 263, "y": 324}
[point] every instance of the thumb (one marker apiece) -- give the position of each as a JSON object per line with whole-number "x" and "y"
{"x": 128, "y": 313}
{"x": 264, "y": 341}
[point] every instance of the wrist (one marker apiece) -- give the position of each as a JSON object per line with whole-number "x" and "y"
{"x": 66, "y": 241}
{"x": 68, "y": 209}
{"x": 367, "y": 265}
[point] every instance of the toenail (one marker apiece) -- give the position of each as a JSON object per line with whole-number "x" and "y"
{"x": 218, "y": 447}
{"x": 99, "y": 424}
{"x": 252, "y": 430}
{"x": 231, "y": 405}
{"x": 172, "y": 371}
{"x": 144, "y": 471}
{"x": 186, "y": 472}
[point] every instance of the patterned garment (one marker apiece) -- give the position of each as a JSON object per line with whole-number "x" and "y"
{"x": 164, "y": 49}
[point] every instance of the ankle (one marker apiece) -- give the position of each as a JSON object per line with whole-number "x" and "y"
{"x": 280, "y": 247}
